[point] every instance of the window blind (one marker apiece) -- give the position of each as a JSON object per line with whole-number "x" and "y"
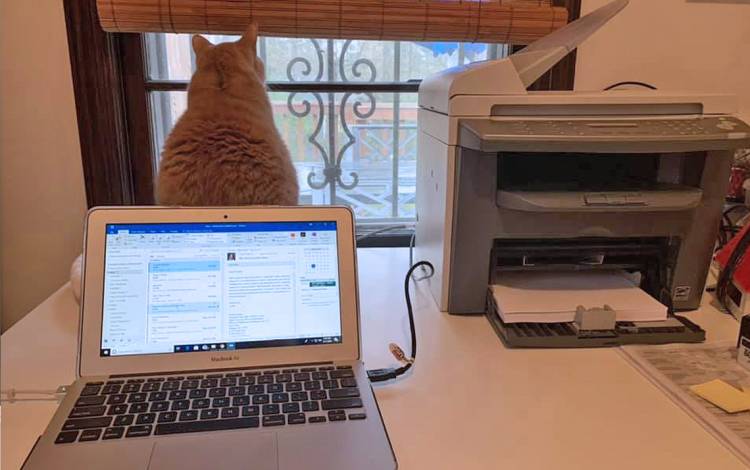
{"x": 494, "y": 21}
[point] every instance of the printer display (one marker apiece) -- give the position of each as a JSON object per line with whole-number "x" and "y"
{"x": 512, "y": 180}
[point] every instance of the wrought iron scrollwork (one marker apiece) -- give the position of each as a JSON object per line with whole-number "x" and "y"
{"x": 356, "y": 108}
{"x": 307, "y": 65}
{"x": 331, "y": 157}
{"x": 306, "y": 105}
{"x": 356, "y": 66}
{"x": 305, "y": 110}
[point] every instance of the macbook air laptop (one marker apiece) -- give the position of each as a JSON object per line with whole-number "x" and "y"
{"x": 218, "y": 338}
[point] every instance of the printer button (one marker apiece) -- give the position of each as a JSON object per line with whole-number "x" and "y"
{"x": 635, "y": 199}
{"x": 595, "y": 199}
{"x": 617, "y": 199}
{"x": 727, "y": 126}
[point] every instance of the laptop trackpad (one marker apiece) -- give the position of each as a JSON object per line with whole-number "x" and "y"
{"x": 237, "y": 450}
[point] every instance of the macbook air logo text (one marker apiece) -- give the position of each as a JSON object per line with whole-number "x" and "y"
{"x": 224, "y": 358}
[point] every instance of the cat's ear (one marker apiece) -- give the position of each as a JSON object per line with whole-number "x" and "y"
{"x": 200, "y": 44}
{"x": 249, "y": 38}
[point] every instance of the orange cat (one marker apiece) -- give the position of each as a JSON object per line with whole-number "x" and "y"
{"x": 225, "y": 149}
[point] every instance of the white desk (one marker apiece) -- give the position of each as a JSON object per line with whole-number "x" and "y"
{"x": 469, "y": 403}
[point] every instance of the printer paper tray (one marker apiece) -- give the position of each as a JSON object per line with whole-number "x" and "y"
{"x": 600, "y": 201}
{"x": 530, "y": 335}
{"x": 562, "y": 335}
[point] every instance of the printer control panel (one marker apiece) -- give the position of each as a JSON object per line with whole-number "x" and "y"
{"x": 724, "y": 127}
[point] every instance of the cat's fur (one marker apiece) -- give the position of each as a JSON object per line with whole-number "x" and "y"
{"x": 225, "y": 149}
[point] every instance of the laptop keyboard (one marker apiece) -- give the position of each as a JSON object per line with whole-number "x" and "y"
{"x": 153, "y": 406}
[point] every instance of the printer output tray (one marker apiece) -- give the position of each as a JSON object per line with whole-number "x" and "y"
{"x": 564, "y": 335}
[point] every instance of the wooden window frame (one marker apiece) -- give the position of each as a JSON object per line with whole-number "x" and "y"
{"x": 114, "y": 117}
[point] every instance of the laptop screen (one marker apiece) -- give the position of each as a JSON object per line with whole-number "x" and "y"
{"x": 191, "y": 287}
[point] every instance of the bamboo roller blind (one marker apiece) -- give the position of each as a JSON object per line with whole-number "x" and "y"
{"x": 501, "y": 21}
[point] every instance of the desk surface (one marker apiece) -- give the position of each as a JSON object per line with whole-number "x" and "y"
{"x": 468, "y": 403}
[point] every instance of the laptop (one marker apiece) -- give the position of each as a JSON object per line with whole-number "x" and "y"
{"x": 218, "y": 338}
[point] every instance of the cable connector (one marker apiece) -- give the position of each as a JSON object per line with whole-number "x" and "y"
{"x": 399, "y": 354}
{"x": 381, "y": 375}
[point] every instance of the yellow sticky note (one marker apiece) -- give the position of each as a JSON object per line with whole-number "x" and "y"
{"x": 723, "y": 395}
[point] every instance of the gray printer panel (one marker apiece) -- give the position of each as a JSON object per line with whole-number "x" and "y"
{"x": 628, "y": 135}
{"x": 479, "y": 219}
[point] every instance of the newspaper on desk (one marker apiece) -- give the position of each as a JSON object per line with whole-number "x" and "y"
{"x": 674, "y": 368}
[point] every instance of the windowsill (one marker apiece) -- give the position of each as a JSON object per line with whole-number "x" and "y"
{"x": 393, "y": 238}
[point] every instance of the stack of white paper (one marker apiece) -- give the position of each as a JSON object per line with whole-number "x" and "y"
{"x": 550, "y": 297}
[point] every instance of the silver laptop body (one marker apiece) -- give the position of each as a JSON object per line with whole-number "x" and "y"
{"x": 218, "y": 338}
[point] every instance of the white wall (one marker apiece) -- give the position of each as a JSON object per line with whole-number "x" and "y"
{"x": 672, "y": 44}
{"x": 42, "y": 199}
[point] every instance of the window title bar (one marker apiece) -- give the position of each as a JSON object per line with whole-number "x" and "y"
{"x": 222, "y": 227}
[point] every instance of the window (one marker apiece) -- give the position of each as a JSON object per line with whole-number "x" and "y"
{"x": 354, "y": 144}
{"x": 346, "y": 108}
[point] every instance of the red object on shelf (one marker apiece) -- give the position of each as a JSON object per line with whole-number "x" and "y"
{"x": 736, "y": 178}
{"x": 742, "y": 271}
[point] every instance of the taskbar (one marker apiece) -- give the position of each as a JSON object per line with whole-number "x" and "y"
{"x": 273, "y": 343}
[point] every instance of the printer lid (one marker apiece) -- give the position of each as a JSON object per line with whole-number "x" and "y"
{"x": 512, "y": 75}
{"x": 498, "y": 87}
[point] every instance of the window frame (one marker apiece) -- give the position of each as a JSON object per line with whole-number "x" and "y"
{"x": 114, "y": 116}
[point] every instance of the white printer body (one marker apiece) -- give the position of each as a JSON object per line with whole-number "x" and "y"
{"x": 591, "y": 180}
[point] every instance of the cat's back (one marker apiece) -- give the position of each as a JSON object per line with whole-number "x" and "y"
{"x": 225, "y": 160}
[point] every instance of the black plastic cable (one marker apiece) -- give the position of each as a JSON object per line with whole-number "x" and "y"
{"x": 619, "y": 84}
{"x": 381, "y": 375}
{"x": 734, "y": 208}
{"x": 728, "y": 228}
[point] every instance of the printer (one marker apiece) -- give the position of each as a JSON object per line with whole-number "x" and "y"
{"x": 514, "y": 180}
